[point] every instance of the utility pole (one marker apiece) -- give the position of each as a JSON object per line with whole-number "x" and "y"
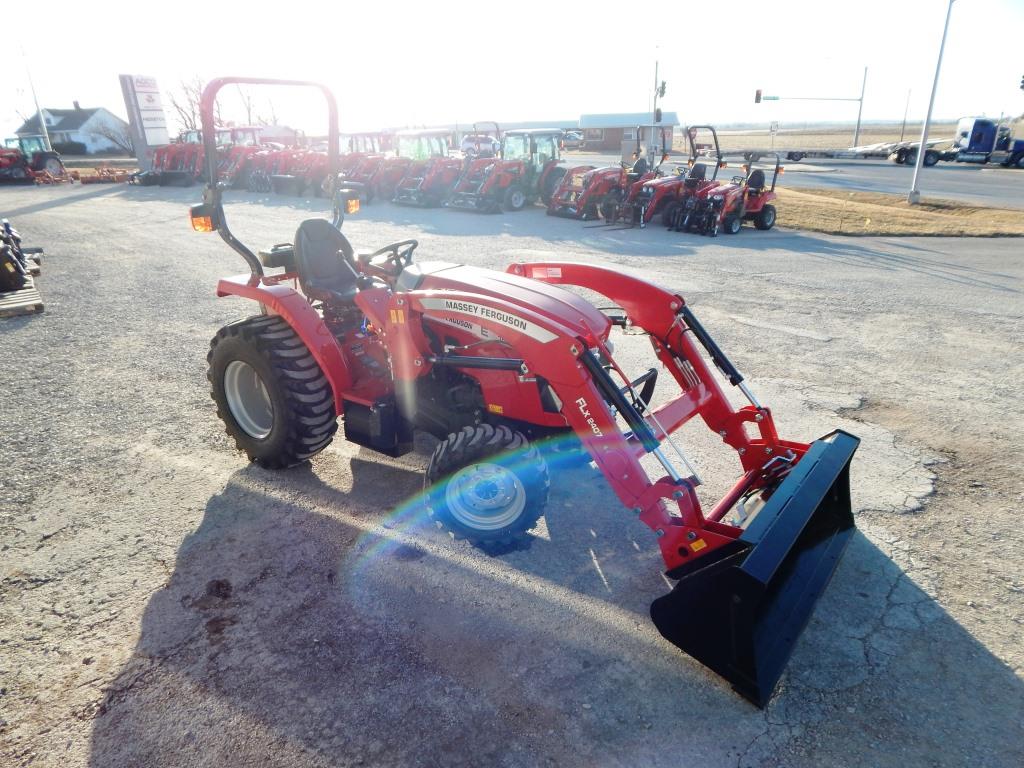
{"x": 906, "y": 108}
{"x": 39, "y": 112}
{"x": 860, "y": 109}
{"x": 915, "y": 194}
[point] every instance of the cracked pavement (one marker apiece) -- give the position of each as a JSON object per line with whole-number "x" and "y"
{"x": 163, "y": 603}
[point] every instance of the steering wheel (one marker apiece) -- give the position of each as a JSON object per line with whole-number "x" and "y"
{"x": 399, "y": 256}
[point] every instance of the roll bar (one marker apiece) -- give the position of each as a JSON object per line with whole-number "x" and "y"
{"x": 212, "y": 192}
{"x": 691, "y": 131}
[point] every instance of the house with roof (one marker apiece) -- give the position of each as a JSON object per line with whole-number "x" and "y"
{"x": 610, "y": 132}
{"x": 91, "y": 127}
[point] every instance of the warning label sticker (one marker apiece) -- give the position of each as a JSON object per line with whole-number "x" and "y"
{"x": 484, "y": 312}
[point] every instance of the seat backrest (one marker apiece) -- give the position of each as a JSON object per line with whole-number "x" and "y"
{"x": 698, "y": 172}
{"x": 323, "y": 257}
{"x": 756, "y": 180}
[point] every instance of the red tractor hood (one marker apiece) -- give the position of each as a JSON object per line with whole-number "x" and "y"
{"x": 557, "y": 303}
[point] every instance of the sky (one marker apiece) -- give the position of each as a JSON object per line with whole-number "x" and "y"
{"x": 408, "y": 64}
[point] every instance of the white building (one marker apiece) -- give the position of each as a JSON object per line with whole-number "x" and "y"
{"x": 91, "y": 127}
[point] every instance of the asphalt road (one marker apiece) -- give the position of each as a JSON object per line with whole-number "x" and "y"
{"x": 164, "y": 603}
{"x": 994, "y": 186}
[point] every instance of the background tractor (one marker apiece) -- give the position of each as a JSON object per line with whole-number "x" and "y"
{"x": 528, "y": 170}
{"x": 746, "y": 198}
{"x": 414, "y": 149}
{"x": 24, "y": 159}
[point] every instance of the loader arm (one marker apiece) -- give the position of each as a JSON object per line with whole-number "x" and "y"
{"x": 551, "y": 350}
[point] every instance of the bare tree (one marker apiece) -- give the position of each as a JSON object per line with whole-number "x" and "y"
{"x": 186, "y": 105}
{"x": 247, "y": 104}
{"x": 270, "y": 118}
{"x": 119, "y": 135}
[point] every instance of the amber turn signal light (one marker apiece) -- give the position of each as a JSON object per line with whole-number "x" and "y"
{"x": 202, "y": 218}
{"x": 352, "y": 205}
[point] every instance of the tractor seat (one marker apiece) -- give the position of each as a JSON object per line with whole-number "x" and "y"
{"x": 697, "y": 174}
{"x": 324, "y": 259}
{"x": 755, "y": 184}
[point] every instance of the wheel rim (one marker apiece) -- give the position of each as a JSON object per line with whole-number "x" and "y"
{"x": 485, "y": 497}
{"x": 248, "y": 399}
{"x": 769, "y": 217}
{"x": 518, "y": 199}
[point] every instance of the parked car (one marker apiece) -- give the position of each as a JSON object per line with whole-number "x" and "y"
{"x": 573, "y": 140}
{"x": 480, "y": 145}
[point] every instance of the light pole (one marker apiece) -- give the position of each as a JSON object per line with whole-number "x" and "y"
{"x": 39, "y": 112}
{"x": 915, "y": 195}
{"x": 860, "y": 109}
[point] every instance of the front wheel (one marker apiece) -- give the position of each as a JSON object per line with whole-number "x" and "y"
{"x": 732, "y": 224}
{"x": 270, "y": 393}
{"x": 765, "y": 218}
{"x": 488, "y": 485}
{"x": 1019, "y": 162}
{"x": 669, "y": 214}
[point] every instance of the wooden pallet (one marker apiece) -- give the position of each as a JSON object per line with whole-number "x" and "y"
{"x": 27, "y": 301}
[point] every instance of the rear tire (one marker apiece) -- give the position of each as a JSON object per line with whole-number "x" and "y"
{"x": 931, "y": 157}
{"x": 488, "y": 485}
{"x": 610, "y": 204}
{"x": 270, "y": 393}
{"x": 765, "y": 218}
{"x": 515, "y": 198}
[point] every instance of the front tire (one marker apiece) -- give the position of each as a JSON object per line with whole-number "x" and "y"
{"x": 732, "y": 225}
{"x": 488, "y": 485}
{"x": 515, "y": 198}
{"x": 610, "y": 204}
{"x": 270, "y": 393}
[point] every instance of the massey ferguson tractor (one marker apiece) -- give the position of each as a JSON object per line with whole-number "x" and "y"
{"x": 528, "y": 170}
{"x": 415, "y": 151}
{"x": 500, "y": 367}
{"x": 725, "y": 207}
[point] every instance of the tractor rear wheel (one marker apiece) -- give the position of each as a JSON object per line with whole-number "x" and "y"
{"x": 668, "y": 215}
{"x": 515, "y": 198}
{"x": 488, "y": 485}
{"x": 610, "y": 204}
{"x": 551, "y": 184}
{"x": 765, "y": 218}
{"x": 270, "y": 393}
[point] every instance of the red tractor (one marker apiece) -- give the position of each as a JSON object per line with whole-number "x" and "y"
{"x": 25, "y": 159}
{"x": 586, "y": 192}
{"x": 528, "y": 170}
{"x": 414, "y": 152}
{"x": 509, "y": 371}
{"x": 725, "y": 207}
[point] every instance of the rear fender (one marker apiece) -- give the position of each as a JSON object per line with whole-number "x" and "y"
{"x": 293, "y": 307}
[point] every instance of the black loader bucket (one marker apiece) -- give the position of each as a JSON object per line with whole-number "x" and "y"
{"x": 742, "y": 614}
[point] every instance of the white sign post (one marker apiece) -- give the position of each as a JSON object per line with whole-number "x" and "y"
{"x": 146, "y": 117}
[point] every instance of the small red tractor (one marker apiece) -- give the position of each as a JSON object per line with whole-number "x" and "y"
{"x": 725, "y": 207}
{"x": 415, "y": 152}
{"x": 25, "y": 160}
{"x": 528, "y": 170}
{"x": 586, "y": 192}
{"x": 512, "y": 370}
{"x": 356, "y": 147}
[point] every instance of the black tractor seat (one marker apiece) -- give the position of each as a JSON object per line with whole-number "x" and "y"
{"x": 323, "y": 257}
{"x": 697, "y": 174}
{"x": 755, "y": 184}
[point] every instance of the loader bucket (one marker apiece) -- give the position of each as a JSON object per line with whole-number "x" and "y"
{"x": 742, "y": 614}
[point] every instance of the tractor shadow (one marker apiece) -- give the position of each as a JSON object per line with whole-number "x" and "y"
{"x": 315, "y": 615}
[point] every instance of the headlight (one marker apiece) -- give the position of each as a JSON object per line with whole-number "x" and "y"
{"x": 718, "y": 198}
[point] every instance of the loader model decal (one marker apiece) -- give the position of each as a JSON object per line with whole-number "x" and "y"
{"x": 585, "y": 410}
{"x": 494, "y": 315}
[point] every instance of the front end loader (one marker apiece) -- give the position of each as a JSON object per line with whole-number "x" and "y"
{"x": 499, "y": 365}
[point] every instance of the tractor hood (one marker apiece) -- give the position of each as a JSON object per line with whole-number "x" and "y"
{"x": 664, "y": 181}
{"x": 562, "y": 306}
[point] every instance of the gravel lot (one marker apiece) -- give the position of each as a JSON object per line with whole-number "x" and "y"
{"x": 163, "y": 603}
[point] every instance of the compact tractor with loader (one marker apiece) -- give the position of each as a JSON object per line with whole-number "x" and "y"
{"x": 724, "y": 207}
{"x": 528, "y": 170}
{"x": 494, "y": 365}
{"x": 421, "y": 154}
{"x": 586, "y": 192}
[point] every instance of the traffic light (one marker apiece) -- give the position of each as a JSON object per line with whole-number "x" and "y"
{"x": 1022, "y": 83}
{"x": 757, "y": 96}
{"x": 661, "y": 90}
